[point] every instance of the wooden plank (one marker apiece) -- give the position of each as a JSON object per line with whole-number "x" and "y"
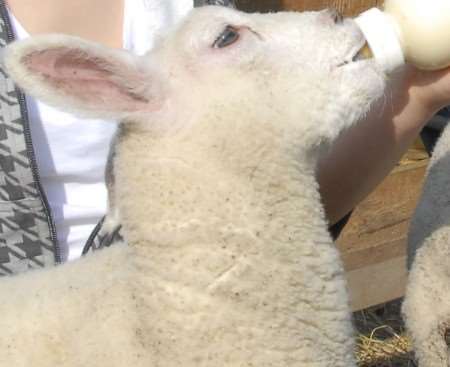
{"x": 376, "y": 247}
{"x": 373, "y": 244}
{"x": 378, "y": 283}
{"x": 346, "y": 7}
{"x": 391, "y": 203}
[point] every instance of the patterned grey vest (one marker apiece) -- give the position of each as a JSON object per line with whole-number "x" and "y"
{"x": 27, "y": 232}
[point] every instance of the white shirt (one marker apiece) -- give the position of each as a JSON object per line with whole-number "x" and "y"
{"x": 71, "y": 153}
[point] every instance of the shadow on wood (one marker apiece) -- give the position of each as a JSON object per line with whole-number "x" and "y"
{"x": 263, "y": 6}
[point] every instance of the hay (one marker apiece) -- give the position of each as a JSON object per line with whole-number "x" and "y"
{"x": 382, "y": 341}
{"x": 395, "y": 351}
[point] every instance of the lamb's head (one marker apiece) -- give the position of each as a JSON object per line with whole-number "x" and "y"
{"x": 291, "y": 74}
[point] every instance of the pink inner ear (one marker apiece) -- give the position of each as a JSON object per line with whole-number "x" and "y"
{"x": 91, "y": 80}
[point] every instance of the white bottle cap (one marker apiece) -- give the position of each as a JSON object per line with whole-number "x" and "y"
{"x": 383, "y": 38}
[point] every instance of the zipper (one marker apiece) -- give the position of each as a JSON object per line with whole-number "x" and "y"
{"x": 90, "y": 241}
{"x": 29, "y": 146}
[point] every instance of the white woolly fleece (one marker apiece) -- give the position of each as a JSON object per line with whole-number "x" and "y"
{"x": 228, "y": 259}
{"x": 426, "y": 308}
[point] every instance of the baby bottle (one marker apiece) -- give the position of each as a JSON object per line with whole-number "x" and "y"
{"x": 412, "y": 31}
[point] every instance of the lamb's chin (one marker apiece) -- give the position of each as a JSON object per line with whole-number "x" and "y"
{"x": 366, "y": 76}
{"x": 363, "y": 84}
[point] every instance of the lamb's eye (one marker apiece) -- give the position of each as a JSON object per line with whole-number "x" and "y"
{"x": 229, "y": 36}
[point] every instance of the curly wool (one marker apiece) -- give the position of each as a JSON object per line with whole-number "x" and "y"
{"x": 228, "y": 260}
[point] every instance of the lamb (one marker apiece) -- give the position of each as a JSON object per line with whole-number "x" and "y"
{"x": 227, "y": 260}
{"x": 426, "y": 308}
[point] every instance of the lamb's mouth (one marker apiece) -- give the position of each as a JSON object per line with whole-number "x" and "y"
{"x": 364, "y": 53}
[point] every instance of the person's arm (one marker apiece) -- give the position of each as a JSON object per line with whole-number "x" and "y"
{"x": 364, "y": 155}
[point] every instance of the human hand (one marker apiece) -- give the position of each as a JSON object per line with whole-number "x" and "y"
{"x": 366, "y": 153}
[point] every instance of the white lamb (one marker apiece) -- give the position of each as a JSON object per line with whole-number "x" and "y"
{"x": 426, "y": 308}
{"x": 228, "y": 262}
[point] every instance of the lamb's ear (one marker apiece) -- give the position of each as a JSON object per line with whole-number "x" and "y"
{"x": 83, "y": 77}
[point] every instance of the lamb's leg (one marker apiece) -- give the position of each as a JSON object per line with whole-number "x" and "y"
{"x": 426, "y": 309}
{"x": 427, "y": 302}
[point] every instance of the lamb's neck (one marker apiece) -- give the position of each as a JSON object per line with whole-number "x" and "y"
{"x": 232, "y": 258}
{"x": 172, "y": 202}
